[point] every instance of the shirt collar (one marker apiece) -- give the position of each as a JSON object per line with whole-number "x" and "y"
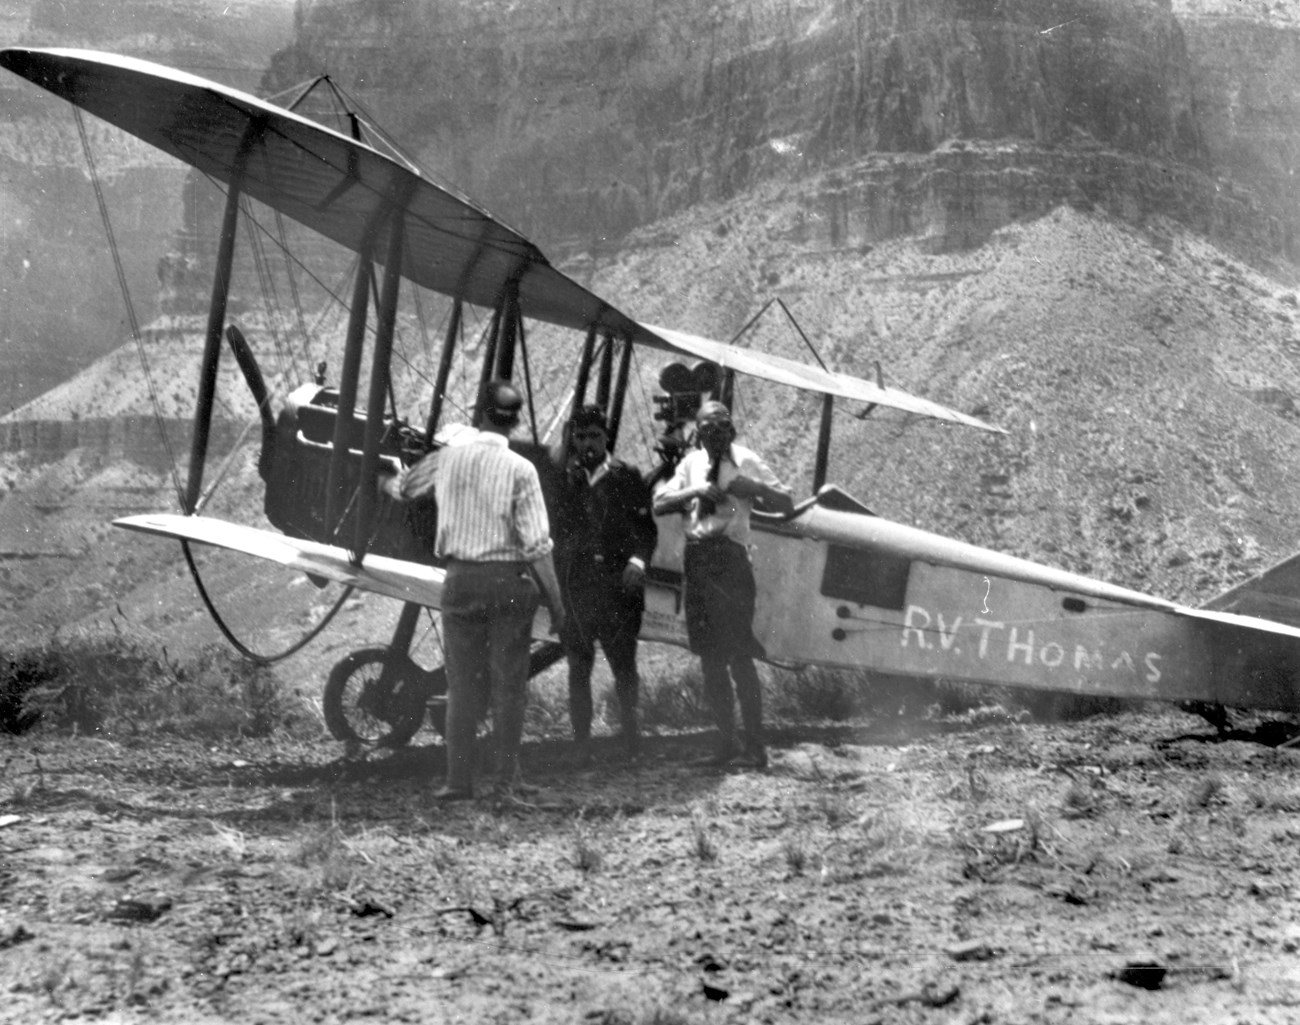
{"x": 492, "y": 438}
{"x": 600, "y": 471}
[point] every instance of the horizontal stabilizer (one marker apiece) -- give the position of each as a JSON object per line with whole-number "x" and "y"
{"x": 1273, "y": 594}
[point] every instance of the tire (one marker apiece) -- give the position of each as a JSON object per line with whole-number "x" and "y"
{"x": 542, "y": 657}
{"x": 374, "y": 696}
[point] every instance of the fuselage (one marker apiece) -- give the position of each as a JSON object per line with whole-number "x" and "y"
{"x": 840, "y": 587}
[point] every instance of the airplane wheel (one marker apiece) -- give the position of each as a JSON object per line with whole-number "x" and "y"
{"x": 364, "y": 703}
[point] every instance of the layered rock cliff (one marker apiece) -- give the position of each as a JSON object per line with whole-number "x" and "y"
{"x": 582, "y": 120}
{"x": 60, "y": 303}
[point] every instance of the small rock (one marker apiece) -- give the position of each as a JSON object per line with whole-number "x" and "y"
{"x": 18, "y": 934}
{"x": 365, "y": 906}
{"x": 141, "y": 909}
{"x": 939, "y": 994}
{"x": 1144, "y": 972}
{"x": 970, "y": 950}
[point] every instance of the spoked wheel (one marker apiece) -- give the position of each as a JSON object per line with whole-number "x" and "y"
{"x": 541, "y": 656}
{"x": 376, "y": 696}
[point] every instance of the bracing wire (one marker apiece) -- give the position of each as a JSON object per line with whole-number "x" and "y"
{"x": 644, "y": 430}
{"x": 130, "y": 306}
{"x": 270, "y": 297}
{"x": 166, "y": 443}
{"x": 239, "y": 645}
{"x": 327, "y": 289}
{"x": 281, "y": 241}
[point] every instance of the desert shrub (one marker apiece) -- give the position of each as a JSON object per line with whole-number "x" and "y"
{"x": 547, "y": 714}
{"x": 1274, "y": 798}
{"x": 109, "y": 677}
{"x": 1052, "y": 706}
{"x": 838, "y": 696}
{"x": 675, "y": 702}
{"x": 122, "y": 681}
{"x": 958, "y": 698}
{"x": 816, "y": 694}
{"x": 23, "y": 675}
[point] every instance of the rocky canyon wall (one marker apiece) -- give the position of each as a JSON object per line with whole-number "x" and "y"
{"x": 581, "y": 120}
{"x": 60, "y": 303}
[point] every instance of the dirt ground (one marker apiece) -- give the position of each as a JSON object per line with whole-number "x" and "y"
{"x": 1112, "y": 870}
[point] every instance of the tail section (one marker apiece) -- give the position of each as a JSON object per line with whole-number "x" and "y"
{"x": 1273, "y": 594}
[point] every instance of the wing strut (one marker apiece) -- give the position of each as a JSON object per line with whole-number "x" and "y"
{"x": 217, "y": 319}
{"x": 381, "y": 368}
{"x": 605, "y": 372}
{"x": 348, "y": 375}
{"x": 584, "y": 368}
{"x": 444, "y": 367}
{"x": 489, "y": 360}
{"x": 509, "y": 332}
{"x": 615, "y": 410}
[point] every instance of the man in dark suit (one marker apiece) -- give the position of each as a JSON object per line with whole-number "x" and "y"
{"x": 605, "y": 535}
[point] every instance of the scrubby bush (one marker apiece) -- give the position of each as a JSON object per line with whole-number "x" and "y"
{"x": 675, "y": 701}
{"x": 815, "y": 695}
{"x": 22, "y": 675}
{"x": 122, "y": 681}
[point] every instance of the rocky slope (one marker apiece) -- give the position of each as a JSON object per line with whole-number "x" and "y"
{"x": 1071, "y": 218}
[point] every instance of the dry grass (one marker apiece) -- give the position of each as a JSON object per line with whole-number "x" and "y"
{"x": 703, "y": 842}
{"x": 123, "y": 681}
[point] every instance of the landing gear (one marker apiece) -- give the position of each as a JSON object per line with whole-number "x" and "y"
{"x": 378, "y": 696}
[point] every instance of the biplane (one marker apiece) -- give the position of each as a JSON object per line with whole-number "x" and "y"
{"x": 838, "y": 586}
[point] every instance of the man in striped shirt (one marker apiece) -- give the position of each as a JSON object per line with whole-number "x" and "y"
{"x": 494, "y": 533}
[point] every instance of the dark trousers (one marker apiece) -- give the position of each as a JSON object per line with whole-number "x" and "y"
{"x": 600, "y": 610}
{"x": 720, "y": 599}
{"x": 487, "y": 617}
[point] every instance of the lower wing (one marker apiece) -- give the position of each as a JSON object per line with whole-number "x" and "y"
{"x": 393, "y": 578}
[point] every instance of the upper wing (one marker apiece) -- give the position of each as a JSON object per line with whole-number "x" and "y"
{"x": 346, "y": 191}
{"x": 801, "y": 375}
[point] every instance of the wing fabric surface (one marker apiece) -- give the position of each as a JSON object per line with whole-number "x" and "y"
{"x": 801, "y": 375}
{"x": 394, "y": 578}
{"x": 347, "y": 191}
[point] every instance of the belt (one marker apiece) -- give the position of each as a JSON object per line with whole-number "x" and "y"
{"x": 713, "y": 540}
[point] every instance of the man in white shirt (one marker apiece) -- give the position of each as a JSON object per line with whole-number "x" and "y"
{"x": 493, "y": 532}
{"x": 715, "y": 487}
